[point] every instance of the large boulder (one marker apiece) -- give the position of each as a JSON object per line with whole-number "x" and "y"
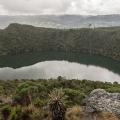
{"x": 101, "y": 101}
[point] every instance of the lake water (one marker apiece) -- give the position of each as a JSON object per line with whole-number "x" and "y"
{"x": 70, "y": 66}
{"x": 53, "y": 69}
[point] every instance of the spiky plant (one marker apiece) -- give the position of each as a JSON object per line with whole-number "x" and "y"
{"x": 56, "y": 104}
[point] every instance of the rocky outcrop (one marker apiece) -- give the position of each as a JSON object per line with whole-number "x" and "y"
{"x": 101, "y": 101}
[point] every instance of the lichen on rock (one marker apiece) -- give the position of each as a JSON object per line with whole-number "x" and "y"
{"x": 101, "y": 101}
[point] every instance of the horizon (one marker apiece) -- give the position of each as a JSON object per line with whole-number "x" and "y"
{"x": 61, "y": 15}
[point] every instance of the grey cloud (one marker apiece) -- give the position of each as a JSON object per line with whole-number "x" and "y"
{"x": 36, "y": 6}
{"x": 92, "y": 7}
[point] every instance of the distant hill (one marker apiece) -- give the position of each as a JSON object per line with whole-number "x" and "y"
{"x": 62, "y": 21}
{"x": 19, "y": 39}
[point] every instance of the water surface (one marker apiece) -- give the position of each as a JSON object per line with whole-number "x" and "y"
{"x": 53, "y": 64}
{"x": 53, "y": 69}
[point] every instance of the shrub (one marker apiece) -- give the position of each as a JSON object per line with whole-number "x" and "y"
{"x": 16, "y": 113}
{"x": 6, "y": 110}
{"x": 74, "y": 96}
{"x": 25, "y": 94}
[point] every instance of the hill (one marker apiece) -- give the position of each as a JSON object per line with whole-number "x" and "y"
{"x": 62, "y": 21}
{"x": 18, "y": 39}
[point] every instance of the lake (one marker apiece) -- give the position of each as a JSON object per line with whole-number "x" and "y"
{"x": 48, "y": 65}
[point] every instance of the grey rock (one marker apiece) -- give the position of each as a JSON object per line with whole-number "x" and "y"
{"x": 101, "y": 101}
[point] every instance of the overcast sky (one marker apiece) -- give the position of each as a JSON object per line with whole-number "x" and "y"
{"x": 83, "y": 7}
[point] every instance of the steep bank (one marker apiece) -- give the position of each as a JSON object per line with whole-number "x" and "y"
{"x": 18, "y": 39}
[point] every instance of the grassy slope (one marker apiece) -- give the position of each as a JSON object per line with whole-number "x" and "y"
{"x": 18, "y": 39}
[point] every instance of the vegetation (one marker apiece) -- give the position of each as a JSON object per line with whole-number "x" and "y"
{"x": 46, "y": 99}
{"x": 57, "y": 106}
{"x": 18, "y": 39}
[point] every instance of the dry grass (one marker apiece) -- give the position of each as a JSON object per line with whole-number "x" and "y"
{"x": 76, "y": 113}
{"x": 5, "y": 99}
{"x": 30, "y": 109}
{"x": 108, "y": 116}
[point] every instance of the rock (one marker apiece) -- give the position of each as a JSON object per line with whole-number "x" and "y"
{"x": 101, "y": 101}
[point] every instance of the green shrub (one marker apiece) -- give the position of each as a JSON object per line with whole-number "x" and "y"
{"x": 74, "y": 96}
{"x": 40, "y": 103}
{"x": 6, "y": 111}
{"x": 16, "y": 113}
{"x": 25, "y": 93}
{"x": 113, "y": 89}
